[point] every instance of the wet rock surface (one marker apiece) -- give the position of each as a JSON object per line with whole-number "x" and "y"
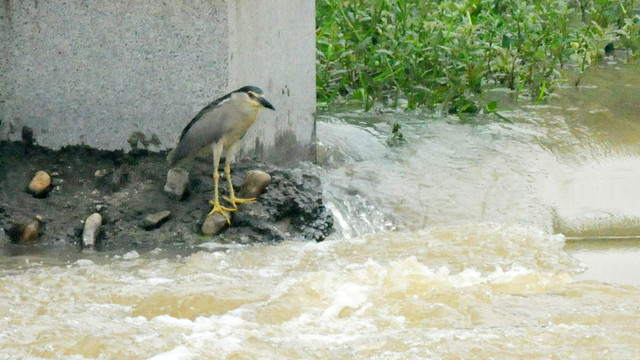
{"x": 125, "y": 188}
{"x": 40, "y": 184}
{"x": 155, "y": 220}
{"x": 91, "y": 230}
{"x": 177, "y": 183}
{"x": 254, "y": 184}
{"x": 25, "y": 232}
{"x": 291, "y": 207}
{"x": 214, "y": 224}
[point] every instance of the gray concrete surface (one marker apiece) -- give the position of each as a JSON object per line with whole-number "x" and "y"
{"x": 110, "y": 74}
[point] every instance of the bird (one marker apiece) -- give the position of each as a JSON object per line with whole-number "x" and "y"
{"x": 221, "y": 125}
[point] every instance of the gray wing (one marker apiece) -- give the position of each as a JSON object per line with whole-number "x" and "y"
{"x": 206, "y": 128}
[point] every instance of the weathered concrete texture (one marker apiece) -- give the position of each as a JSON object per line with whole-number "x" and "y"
{"x": 121, "y": 74}
{"x": 273, "y": 45}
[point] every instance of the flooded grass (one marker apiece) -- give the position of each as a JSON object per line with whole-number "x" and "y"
{"x": 445, "y": 54}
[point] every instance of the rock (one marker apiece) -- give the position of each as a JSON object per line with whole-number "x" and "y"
{"x": 40, "y": 184}
{"x": 153, "y": 221}
{"x": 100, "y": 173}
{"x": 91, "y": 230}
{"x": 56, "y": 180}
{"x": 177, "y": 183}
{"x": 214, "y": 224}
{"x": 291, "y": 208}
{"x": 111, "y": 180}
{"x": 118, "y": 178}
{"x": 26, "y": 232}
{"x": 254, "y": 184}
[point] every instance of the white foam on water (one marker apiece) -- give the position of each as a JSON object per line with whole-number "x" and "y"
{"x": 347, "y": 296}
{"x": 269, "y": 272}
{"x": 84, "y": 262}
{"x": 212, "y": 245}
{"x": 179, "y": 353}
{"x": 158, "y": 281}
{"x": 225, "y": 334}
{"x": 136, "y": 320}
{"x": 173, "y": 322}
{"x": 131, "y": 255}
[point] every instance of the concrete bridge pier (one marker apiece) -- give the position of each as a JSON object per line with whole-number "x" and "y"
{"x": 117, "y": 74}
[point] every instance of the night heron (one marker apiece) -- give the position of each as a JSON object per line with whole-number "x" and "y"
{"x": 221, "y": 125}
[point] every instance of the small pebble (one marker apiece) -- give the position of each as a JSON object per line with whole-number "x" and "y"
{"x": 26, "y": 232}
{"x": 111, "y": 180}
{"x": 91, "y": 230}
{"x": 177, "y": 183}
{"x": 153, "y": 221}
{"x": 214, "y": 224}
{"x": 32, "y": 231}
{"x": 254, "y": 184}
{"x": 40, "y": 184}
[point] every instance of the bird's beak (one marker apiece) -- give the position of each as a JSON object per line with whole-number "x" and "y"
{"x": 266, "y": 104}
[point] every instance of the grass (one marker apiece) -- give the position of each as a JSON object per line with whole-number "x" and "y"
{"x": 444, "y": 54}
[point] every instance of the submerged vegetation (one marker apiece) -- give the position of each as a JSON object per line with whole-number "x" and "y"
{"x": 442, "y": 54}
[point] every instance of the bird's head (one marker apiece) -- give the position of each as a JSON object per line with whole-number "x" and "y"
{"x": 252, "y": 96}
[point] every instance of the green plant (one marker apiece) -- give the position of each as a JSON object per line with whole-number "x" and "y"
{"x": 443, "y": 54}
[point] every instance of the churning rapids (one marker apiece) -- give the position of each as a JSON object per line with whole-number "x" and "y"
{"x": 479, "y": 239}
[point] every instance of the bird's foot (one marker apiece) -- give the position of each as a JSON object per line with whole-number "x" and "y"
{"x": 217, "y": 208}
{"x": 235, "y": 201}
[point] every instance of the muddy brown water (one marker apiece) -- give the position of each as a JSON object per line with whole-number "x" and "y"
{"x": 481, "y": 240}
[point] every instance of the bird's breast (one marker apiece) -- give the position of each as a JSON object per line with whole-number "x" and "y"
{"x": 239, "y": 130}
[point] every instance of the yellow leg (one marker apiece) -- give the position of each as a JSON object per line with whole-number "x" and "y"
{"x": 232, "y": 198}
{"x": 216, "y": 202}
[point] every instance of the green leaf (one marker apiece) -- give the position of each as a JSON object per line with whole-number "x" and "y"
{"x": 491, "y": 107}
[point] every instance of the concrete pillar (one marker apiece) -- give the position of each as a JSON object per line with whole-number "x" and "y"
{"x": 122, "y": 73}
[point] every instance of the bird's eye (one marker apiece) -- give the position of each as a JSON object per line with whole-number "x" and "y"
{"x": 251, "y": 95}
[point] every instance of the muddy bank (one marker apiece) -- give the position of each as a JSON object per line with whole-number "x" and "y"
{"x": 125, "y": 188}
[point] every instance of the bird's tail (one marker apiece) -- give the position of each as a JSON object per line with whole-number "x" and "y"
{"x": 171, "y": 157}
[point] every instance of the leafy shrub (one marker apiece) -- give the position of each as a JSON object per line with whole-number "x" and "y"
{"x": 444, "y": 53}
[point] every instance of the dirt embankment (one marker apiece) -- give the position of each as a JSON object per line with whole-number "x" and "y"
{"x": 125, "y": 188}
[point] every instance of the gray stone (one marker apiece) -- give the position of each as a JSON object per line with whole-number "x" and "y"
{"x": 111, "y": 180}
{"x": 91, "y": 230}
{"x": 254, "y": 184}
{"x": 153, "y": 221}
{"x": 40, "y": 184}
{"x": 290, "y": 208}
{"x": 56, "y": 181}
{"x": 177, "y": 183}
{"x": 214, "y": 224}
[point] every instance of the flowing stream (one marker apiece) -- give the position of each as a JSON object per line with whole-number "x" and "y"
{"x": 471, "y": 239}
